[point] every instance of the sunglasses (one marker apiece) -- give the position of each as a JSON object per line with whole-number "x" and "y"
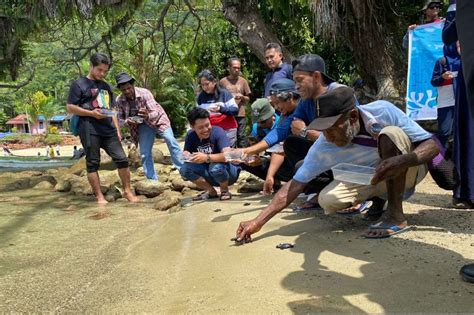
{"x": 434, "y": 6}
{"x": 281, "y": 95}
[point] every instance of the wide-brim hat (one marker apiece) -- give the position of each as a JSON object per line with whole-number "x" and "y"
{"x": 427, "y": 4}
{"x": 262, "y": 110}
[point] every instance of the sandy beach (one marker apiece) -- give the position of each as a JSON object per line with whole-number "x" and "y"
{"x": 61, "y": 253}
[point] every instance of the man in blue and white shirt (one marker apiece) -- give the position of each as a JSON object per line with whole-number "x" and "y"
{"x": 377, "y": 134}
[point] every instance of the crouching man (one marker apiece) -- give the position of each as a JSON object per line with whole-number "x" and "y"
{"x": 205, "y": 162}
{"x": 378, "y": 135}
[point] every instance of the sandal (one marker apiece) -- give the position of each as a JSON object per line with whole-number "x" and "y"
{"x": 307, "y": 206}
{"x": 225, "y": 195}
{"x": 360, "y": 209}
{"x": 204, "y": 196}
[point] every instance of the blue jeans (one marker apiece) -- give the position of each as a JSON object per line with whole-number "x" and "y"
{"x": 146, "y": 138}
{"x": 213, "y": 173}
{"x": 445, "y": 124}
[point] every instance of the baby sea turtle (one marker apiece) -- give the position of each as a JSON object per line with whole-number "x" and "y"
{"x": 285, "y": 246}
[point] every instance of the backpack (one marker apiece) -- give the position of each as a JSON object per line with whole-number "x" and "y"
{"x": 74, "y": 123}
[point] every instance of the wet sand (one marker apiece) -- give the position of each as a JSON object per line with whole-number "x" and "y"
{"x": 61, "y": 253}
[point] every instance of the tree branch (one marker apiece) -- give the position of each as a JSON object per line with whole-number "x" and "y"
{"x": 20, "y": 85}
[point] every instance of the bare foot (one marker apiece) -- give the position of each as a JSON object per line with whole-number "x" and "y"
{"x": 130, "y": 197}
{"x": 102, "y": 201}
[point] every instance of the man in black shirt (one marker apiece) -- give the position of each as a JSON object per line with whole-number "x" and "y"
{"x": 91, "y": 99}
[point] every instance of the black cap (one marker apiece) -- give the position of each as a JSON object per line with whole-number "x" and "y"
{"x": 122, "y": 78}
{"x": 311, "y": 63}
{"x": 331, "y": 105}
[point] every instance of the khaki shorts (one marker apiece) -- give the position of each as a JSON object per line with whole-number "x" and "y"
{"x": 339, "y": 195}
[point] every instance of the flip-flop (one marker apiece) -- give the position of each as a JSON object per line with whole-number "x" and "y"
{"x": 204, "y": 196}
{"x": 363, "y": 207}
{"x": 381, "y": 226}
{"x": 313, "y": 206}
{"x": 391, "y": 231}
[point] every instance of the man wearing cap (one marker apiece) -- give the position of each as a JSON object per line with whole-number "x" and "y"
{"x": 374, "y": 135}
{"x": 275, "y": 170}
{"x": 278, "y": 68}
{"x": 145, "y": 118}
{"x": 311, "y": 81}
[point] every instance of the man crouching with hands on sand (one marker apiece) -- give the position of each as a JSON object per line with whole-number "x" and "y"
{"x": 376, "y": 135}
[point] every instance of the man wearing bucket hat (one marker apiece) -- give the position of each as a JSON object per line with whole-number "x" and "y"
{"x": 374, "y": 135}
{"x": 273, "y": 170}
{"x": 145, "y": 119}
{"x": 264, "y": 118}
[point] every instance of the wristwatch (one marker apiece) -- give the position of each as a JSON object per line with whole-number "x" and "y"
{"x": 304, "y": 132}
{"x": 208, "y": 158}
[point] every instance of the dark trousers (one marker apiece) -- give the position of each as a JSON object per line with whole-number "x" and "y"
{"x": 284, "y": 173}
{"x": 464, "y": 14}
{"x": 296, "y": 148}
{"x": 112, "y": 147}
{"x": 241, "y": 138}
{"x": 445, "y": 125}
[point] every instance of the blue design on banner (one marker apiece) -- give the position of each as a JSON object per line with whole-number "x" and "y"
{"x": 425, "y": 48}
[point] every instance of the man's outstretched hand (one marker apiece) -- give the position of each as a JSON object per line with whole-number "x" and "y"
{"x": 246, "y": 229}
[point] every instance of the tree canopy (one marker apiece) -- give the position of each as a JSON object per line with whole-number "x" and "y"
{"x": 45, "y": 45}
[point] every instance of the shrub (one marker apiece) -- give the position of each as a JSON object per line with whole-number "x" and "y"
{"x": 52, "y": 139}
{"x": 53, "y": 130}
{"x": 14, "y": 129}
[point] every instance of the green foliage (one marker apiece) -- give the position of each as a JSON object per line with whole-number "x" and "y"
{"x": 3, "y": 120}
{"x": 66, "y": 125}
{"x": 14, "y": 129}
{"x": 53, "y": 130}
{"x": 51, "y": 139}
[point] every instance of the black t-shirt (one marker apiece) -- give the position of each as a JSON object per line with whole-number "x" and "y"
{"x": 83, "y": 93}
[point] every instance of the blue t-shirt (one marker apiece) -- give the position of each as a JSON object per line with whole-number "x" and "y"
{"x": 283, "y": 71}
{"x": 306, "y": 111}
{"x": 260, "y": 133}
{"x": 216, "y": 142}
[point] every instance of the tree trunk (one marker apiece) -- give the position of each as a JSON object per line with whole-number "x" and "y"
{"x": 373, "y": 48}
{"x": 253, "y": 30}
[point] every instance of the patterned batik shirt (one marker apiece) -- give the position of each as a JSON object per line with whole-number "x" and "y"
{"x": 157, "y": 118}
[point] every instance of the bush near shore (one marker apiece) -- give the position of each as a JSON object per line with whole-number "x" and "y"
{"x": 23, "y": 141}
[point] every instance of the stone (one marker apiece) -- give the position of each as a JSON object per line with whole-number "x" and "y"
{"x": 80, "y": 186}
{"x": 159, "y": 157}
{"x": 134, "y": 158}
{"x": 113, "y": 194}
{"x": 63, "y": 185}
{"x": 250, "y": 187}
{"x": 78, "y": 167}
{"x": 168, "y": 200}
{"x": 45, "y": 185}
{"x": 178, "y": 183}
{"x": 149, "y": 188}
